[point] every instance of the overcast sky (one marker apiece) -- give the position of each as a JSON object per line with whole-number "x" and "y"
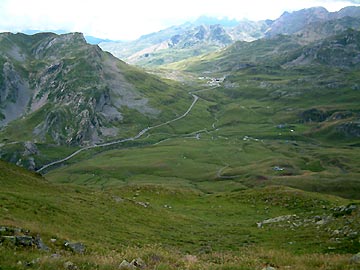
{"x": 128, "y": 19}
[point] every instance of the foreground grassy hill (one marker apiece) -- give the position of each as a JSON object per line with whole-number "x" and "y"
{"x": 171, "y": 228}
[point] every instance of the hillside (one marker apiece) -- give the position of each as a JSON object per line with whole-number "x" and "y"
{"x": 54, "y": 225}
{"x": 59, "y": 90}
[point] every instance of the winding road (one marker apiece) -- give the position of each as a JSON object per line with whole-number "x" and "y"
{"x": 142, "y": 132}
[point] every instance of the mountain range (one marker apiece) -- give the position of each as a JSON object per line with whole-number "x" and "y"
{"x": 205, "y": 35}
{"x": 89, "y": 39}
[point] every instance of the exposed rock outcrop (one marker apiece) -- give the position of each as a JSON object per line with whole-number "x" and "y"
{"x": 71, "y": 90}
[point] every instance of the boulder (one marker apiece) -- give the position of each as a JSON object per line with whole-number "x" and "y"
{"x": 190, "y": 258}
{"x": 138, "y": 263}
{"x": 344, "y": 210}
{"x": 40, "y": 244}
{"x": 31, "y": 263}
{"x": 126, "y": 265}
{"x": 355, "y": 259}
{"x": 313, "y": 115}
{"x": 275, "y": 220}
{"x": 75, "y": 247}
{"x": 24, "y": 240}
{"x": 70, "y": 266}
{"x": 55, "y": 256}
{"x": 134, "y": 264}
{"x": 350, "y": 129}
{"x": 143, "y": 204}
{"x": 30, "y": 148}
{"x": 324, "y": 220}
{"x": 269, "y": 268}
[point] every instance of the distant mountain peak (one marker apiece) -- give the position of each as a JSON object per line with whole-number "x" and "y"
{"x": 351, "y": 11}
{"x": 207, "y": 34}
{"x": 290, "y": 23}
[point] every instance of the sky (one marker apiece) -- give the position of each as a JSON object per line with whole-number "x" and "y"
{"x": 129, "y": 19}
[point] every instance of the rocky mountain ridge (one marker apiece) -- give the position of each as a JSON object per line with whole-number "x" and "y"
{"x": 290, "y": 23}
{"x": 192, "y": 39}
{"x": 61, "y": 59}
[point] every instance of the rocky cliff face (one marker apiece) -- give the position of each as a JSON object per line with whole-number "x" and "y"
{"x": 14, "y": 93}
{"x": 76, "y": 90}
{"x": 320, "y": 30}
{"x": 200, "y": 35}
{"x": 338, "y": 51}
{"x": 291, "y": 23}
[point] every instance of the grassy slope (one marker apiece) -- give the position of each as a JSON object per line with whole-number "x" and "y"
{"x": 239, "y": 139}
{"x": 219, "y": 229}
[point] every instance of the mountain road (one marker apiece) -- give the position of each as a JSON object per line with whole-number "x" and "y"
{"x": 137, "y": 136}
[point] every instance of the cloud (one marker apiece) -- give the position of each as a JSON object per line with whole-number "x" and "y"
{"x": 129, "y": 19}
